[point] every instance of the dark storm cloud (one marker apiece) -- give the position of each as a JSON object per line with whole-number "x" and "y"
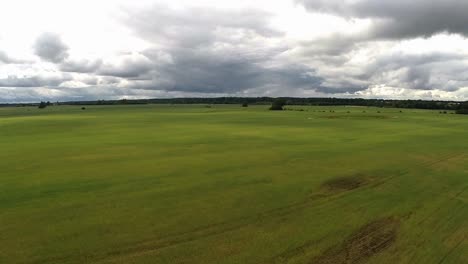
{"x": 33, "y": 81}
{"x": 214, "y": 51}
{"x": 330, "y": 46}
{"x": 130, "y": 66}
{"x": 210, "y": 72}
{"x": 443, "y": 71}
{"x": 126, "y": 66}
{"x": 341, "y": 82}
{"x": 217, "y": 52}
{"x": 50, "y": 47}
{"x": 397, "y": 19}
{"x": 80, "y": 66}
{"x": 432, "y": 71}
{"x": 193, "y": 27}
{"x": 331, "y": 50}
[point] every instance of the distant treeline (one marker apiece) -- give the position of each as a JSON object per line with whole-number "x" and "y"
{"x": 417, "y": 104}
{"x": 463, "y": 109}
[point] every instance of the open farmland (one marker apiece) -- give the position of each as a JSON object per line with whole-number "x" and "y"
{"x": 192, "y": 184}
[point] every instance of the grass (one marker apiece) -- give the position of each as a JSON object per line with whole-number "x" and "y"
{"x": 190, "y": 184}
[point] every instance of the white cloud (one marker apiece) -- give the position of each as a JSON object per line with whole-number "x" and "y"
{"x": 123, "y": 48}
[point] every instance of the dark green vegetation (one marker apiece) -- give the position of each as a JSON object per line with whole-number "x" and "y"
{"x": 43, "y": 105}
{"x": 227, "y": 184}
{"x": 244, "y": 101}
{"x": 463, "y": 109}
{"x": 278, "y": 104}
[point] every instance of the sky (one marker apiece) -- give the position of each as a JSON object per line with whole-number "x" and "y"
{"x": 64, "y": 50}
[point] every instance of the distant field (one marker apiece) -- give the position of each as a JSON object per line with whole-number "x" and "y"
{"x": 191, "y": 184}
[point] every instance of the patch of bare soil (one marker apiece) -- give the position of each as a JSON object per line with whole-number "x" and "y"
{"x": 344, "y": 183}
{"x": 366, "y": 242}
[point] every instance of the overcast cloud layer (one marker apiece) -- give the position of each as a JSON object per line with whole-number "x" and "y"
{"x": 83, "y": 50}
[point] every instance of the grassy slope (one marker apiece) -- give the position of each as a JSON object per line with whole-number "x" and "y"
{"x": 188, "y": 184}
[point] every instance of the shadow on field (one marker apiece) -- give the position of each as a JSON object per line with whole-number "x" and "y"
{"x": 356, "y": 117}
{"x": 369, "y": 240}
{"x": 342, "y": 184}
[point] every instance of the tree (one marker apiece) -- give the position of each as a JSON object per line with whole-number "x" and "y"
{"x": 463, "y": 109}
{"x": 42, "y": 105}
{"x": 278, "y": 104}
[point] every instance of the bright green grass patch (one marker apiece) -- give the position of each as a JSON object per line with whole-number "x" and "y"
{"x": 191, "y": 184}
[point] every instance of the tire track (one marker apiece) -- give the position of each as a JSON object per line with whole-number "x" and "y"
{"x": 289, "y": 254}
{"x": 458, "y": 194}
{"x": 450, "y": 252}
{"x": 151, "y": 246}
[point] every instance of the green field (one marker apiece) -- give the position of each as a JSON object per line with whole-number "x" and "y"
{"x": 191, "y": 184}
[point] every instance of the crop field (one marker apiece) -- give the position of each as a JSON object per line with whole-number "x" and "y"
{"x": 231, "y": 184}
